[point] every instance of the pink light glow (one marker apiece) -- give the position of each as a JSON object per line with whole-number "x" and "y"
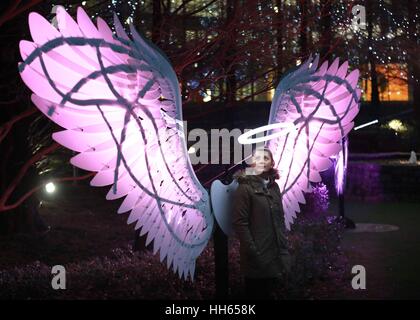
{"x": 322, "y": 105}
{"x": 105, "y": 92}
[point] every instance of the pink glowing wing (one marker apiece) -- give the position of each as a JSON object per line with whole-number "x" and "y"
{"x": 120, "y": 104}
{"x": 321, "y": 104}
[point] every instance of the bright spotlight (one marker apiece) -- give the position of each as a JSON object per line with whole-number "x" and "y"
{"x": 50, "y": 187}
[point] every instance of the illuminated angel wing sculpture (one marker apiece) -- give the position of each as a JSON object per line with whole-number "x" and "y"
{"x": 312, "y": 111}
{"x": 119, "y": 101}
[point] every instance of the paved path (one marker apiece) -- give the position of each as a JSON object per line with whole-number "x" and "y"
{"x": 391, "y": 259}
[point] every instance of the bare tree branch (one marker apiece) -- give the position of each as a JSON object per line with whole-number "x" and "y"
{"x": 14, "y": 11}
{"x": 5, "y": 129}
{"x": 31, "y": 192}
{"x": 12, "y": 186}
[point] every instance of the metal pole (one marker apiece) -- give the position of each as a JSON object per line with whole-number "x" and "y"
{"x": 349, "y": 224}
{"x": 221, "y": 259}
{"x": 341, "y": 204}
{"x": 221, "y": 263}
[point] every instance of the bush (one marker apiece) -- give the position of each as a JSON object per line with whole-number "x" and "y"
{"x": 318, "y": 258}
{"x": 315, "y": 241}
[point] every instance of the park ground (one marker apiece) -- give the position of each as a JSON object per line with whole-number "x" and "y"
{"x": 95, "y": 245}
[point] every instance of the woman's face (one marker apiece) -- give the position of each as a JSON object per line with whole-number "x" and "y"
{"x": 262, "y": 161}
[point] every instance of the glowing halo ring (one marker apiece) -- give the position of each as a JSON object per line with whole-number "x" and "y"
{"x": 245, "y": 137}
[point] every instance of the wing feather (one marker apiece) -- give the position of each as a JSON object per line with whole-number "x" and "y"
{"x": 322, "y": 103}
{"x": 118, "y": 100}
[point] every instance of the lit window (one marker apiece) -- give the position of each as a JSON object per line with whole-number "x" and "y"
{"x": 392, "y": 83}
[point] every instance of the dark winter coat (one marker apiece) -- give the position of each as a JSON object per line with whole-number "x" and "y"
{"x": 258, "y": 220}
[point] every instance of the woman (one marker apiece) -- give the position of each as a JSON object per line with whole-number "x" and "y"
{"x": 259, "y": 223}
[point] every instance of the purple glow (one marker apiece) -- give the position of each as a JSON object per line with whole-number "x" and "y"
{"x": 340, "y": 168}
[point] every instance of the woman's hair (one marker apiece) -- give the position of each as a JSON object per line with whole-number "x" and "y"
{"x": 273, "y": 172}
{"x": 264, "y": 149}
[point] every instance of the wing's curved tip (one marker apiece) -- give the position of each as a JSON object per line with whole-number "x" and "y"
{"x": 119, "y": 28}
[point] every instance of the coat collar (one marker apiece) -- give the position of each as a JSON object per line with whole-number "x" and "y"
{"x": 256, "y": 183}
{"x": 253, "y": 179}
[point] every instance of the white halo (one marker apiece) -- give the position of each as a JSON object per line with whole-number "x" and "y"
{"x": 245, "y": 137}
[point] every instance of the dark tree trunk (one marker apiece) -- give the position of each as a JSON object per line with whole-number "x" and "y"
{"x": 183, "y": 39}
{"x": 414, "y": 65}
{"x": 371, "y": 57}
{"x": 231, "y": 7}
{"x": 156, "y": 21}
{"x": 326, "y": 29}
{"x": 303, "y": 33}
{"x": 279, "y": 33}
